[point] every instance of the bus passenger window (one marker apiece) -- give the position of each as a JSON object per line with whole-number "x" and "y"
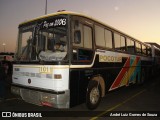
{"x": 122, "y": 44}
{"x": 77, "y": 37}
{"x": 149, "y": 53}
{"x": 130, "y": 46}
{"x": 99, "y": 36}
{"x": 144, "y": 50}
{"x": 138, "y": 48}
{"x": 119, "y": 42}
{"x": 87, "y": 37}
{"x": 108, "y": 39}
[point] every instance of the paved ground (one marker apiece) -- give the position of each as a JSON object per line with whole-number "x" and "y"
{"x": 133, "y": 100}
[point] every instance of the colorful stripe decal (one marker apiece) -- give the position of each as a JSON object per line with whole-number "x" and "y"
{"x": 128, "y": 73}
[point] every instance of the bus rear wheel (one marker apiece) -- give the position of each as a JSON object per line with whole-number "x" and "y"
{"x": 93, "y": 96}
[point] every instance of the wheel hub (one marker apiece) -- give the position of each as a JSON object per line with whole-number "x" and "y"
{"x": 94, "y": 95}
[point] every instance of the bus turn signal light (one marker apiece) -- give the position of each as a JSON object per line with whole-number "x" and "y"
{"x": 57, "y": 76}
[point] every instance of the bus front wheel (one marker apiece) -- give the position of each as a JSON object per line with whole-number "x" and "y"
{"x": 93, "y": 96}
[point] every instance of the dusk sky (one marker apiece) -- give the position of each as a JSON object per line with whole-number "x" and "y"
{"x": 137, "y": 18}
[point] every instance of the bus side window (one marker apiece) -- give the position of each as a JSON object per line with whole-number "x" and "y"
{"x": 119, "y": 42}
{"x": 82, "y": 43}
{"x": 144, "y": 50}
{"x": 78, "y": 34}
{"x": 108, "y": 39}
{"x": 138, "y": 48}
{"x": 149, "y": 52}
{"x": 130, "y": 46}
{"x": 77, "y": 37}
{"x": 87, "y": 37}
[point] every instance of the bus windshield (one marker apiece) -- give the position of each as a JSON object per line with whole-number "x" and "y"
{"x": 46, "y": 40}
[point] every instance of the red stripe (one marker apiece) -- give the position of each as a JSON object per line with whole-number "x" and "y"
{"x": 137, "y": 58}
{"x": 121, "y": 74}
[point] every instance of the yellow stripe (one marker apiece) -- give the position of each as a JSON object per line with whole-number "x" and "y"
{"x": 132, "y": 69}
{"x": 130, "y": 72}
{"x": 51, "y": 66}
{"x": 116, "y": 106}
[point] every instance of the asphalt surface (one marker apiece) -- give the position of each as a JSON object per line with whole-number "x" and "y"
{"x": 128, "y": 103}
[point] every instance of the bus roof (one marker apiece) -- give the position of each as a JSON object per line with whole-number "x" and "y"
{"x": 156, "y": 45}
{"x": 63, "y": 12}
{"x": 52, "y": 14}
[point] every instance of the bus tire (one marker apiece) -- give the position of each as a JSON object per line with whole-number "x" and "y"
{"x": 93, "y": 96}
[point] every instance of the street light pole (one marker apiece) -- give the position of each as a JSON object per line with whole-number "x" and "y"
{"x": 46, "y": 8}
{"x": 4, "y": 44}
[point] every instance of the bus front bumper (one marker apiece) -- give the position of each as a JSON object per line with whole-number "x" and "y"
{"x": 43, "y": 98}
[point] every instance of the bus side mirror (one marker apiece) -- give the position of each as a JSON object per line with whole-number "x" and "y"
{"x": 77, "y": 37}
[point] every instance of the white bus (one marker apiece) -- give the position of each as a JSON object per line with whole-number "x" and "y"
{"x": 66, "y": 58}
